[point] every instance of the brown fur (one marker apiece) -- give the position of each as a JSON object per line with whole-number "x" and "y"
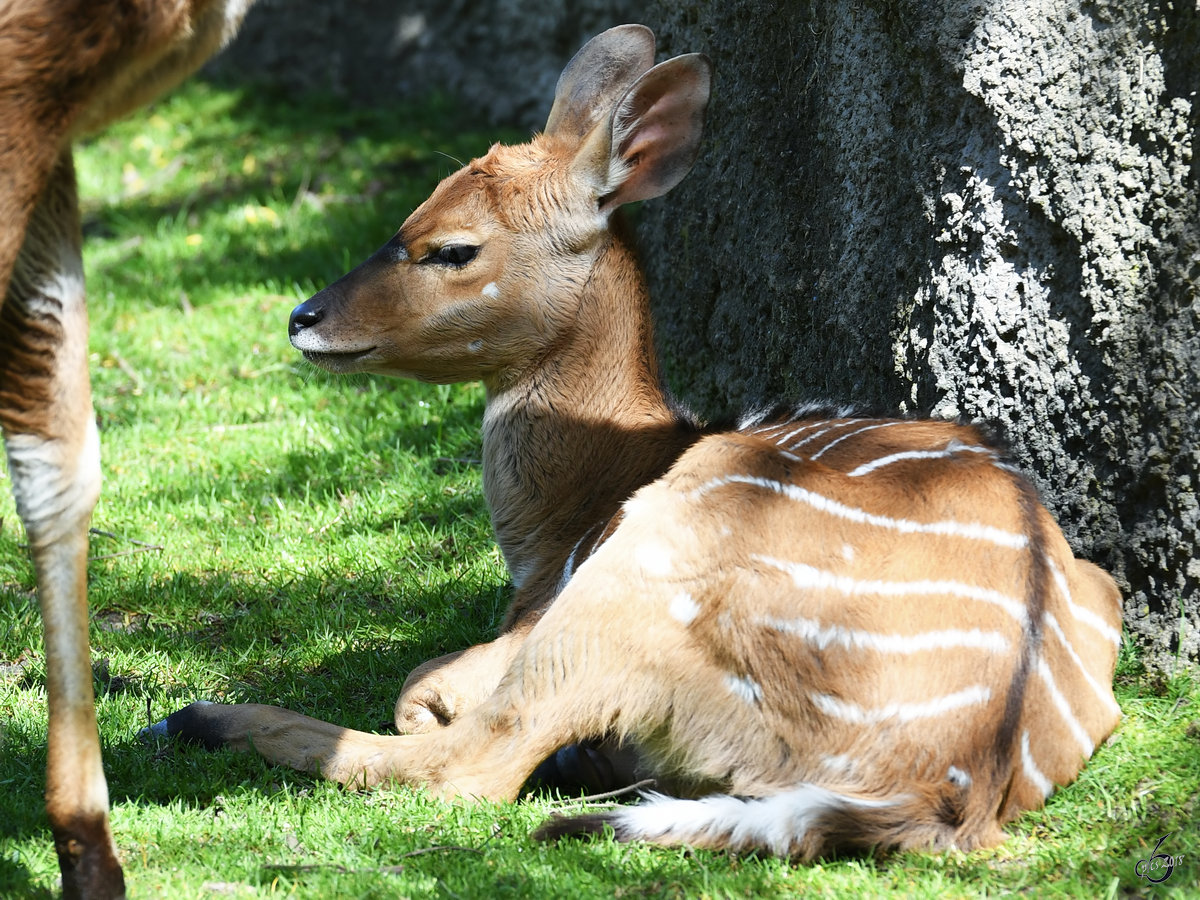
{"x": 68, "y": 68}
{"x": 867, "y": 630}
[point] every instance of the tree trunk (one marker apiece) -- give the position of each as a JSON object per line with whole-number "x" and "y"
{"x": 979, "y": 209}
{"x": 500, "y": 57}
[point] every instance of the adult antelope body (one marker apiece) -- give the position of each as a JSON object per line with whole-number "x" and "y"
{"x": 834, "y": 631}
{"x": 66, "y": 69}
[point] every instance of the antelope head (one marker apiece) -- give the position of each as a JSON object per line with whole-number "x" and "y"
{"x": 488, "y": 274}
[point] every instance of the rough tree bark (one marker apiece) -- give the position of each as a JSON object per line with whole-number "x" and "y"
{"x": 501, "y": 57}
{"x": 980, "y": 208}
{"x": 985, "y": 209}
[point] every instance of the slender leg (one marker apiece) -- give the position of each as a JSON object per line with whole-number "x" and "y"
{"x": 582, "y": 672}
{"x": 439, "y": 691}
{"x": 53, "y": 457}
{"x": 488, "y": 751}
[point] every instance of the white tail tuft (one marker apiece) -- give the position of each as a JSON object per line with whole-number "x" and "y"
{"x": 801, "y": 823}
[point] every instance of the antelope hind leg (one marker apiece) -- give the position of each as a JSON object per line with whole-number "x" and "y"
{"x": 53, "y": 455}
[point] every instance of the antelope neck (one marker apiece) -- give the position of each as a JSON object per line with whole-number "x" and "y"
{"x": 567, "y": 442}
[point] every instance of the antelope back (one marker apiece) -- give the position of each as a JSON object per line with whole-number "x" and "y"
{"x": 881, "y": 608}
{"x": 859, "y": 633}
{"x": 488, "y": 274}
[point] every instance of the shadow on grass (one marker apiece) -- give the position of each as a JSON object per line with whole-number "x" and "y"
{"x": 15, "y": 881}
{"x": 349, "y": 680}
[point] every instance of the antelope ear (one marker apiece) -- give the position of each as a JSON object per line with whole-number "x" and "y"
{"x": 652, "y": 137}
{"x": 597, "y": 76}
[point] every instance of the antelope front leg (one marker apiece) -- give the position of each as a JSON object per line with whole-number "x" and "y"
{"x": 576, "y": 675}
{"x": 54, "y": 462}
{"x": 444, "y": 761}
{"x": 439, "y": 691}
{"x": 444, "y": 689}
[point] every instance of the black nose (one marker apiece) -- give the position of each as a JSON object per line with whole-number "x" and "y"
{"x": 306, "y": 315}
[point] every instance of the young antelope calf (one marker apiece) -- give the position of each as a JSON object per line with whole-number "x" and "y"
{"x": 836, "y": 632}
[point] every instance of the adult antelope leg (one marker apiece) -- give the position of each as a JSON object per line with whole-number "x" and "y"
{"x": 53, "y": 456}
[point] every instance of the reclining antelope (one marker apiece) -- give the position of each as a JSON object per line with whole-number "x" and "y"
{"x": 66, "y": 70}
{"x": 821, "y": 631}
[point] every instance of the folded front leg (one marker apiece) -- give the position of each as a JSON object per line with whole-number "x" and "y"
{"x": 439, "y": 691}
{"x": 578, "y": 675}
{"x": 487, "y": 754}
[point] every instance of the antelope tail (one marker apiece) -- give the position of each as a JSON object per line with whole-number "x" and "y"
{"x": 802, "y": 823}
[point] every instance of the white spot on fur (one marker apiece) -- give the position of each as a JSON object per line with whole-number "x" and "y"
{"x": 654, "y": 558}
{"x": 847, "y": 553}
{"x": 476, "y": 345}
{"x": 746, "y": 688}
{"x": 902, "y": 712}
{"x": 491, "y": 290}
{"x": 683, "y": 608}
{"x": 957, "y": 776}
{"x": 840, "y": 765}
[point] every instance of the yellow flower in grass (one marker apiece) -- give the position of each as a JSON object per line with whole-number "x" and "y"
{"x": 260, "y": 215}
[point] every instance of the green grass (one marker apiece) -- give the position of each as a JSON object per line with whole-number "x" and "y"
{"x": 315, "y": 537}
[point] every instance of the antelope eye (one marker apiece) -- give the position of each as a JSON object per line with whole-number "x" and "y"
{"x": 456, "y": 255}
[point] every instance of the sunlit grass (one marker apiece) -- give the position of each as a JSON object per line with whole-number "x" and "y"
{"x": 306, "y": 540}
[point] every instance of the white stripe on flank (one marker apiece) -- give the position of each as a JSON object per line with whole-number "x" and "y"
{"x": 779, "y": 822}
{"x": 1064, "y": 709}
{"x": 753, "y": 418}
{"x": 1102, "y": 692}
{"x": 953, "y": 448}
{"x": 746, "y": 688}
{"x": 1082, "y": 613}
{"x": 806, "y": 577}
{"x": 783, "y": 439}
{"x": 975, "y": 531}
{"x": 857, "y": 431}
{"x": 824, "y": 636}
{"x": 569, "y": 566}
{"x": 904, "y": 712}
{"x": 1031, "y": 770}
{"x": 813, "y": 437}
